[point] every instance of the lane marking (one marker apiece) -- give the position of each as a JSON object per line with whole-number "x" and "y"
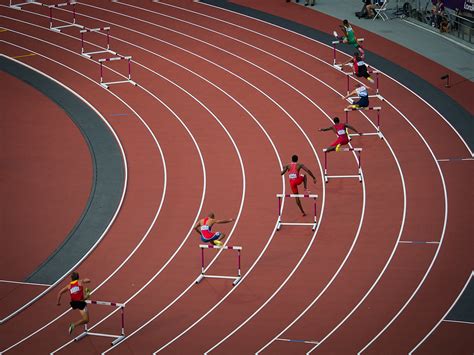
{"x": 458, "y": 321}
{"x": 418, "y": 242}
{"x": 298, "y": 341}
{"x": 455, "y": 159}
{"x": 24, "y": 283}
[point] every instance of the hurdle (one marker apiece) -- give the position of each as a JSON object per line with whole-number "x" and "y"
{"x": 334, "y": 43}
{"x": 64, "y": 4}
{"x": 377, "y": 127}
{"x": 119, "y": 57}
{"x": 27, "y": 2}
{"x": 118, "y": 338}
{"x": 359, "y": 169}
{"x": 280, "y": 223}
{"x": 203, "y": 268}
{"x": 107, "y": 45}
{"x": 376, "y": 72}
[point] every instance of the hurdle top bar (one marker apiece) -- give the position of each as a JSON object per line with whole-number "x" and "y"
{"x": 298, "y": 195}
{"x": 104, "y": 303}
{"x": 340, "y": 41}
{"x": 377, "y": 108}
{"x": 206, "y": 246}
{"x": 346, "y": 150}
{"x": 61, "y": 4}
{"x": 95, "y": 29}
{"x": 128, "y": 57}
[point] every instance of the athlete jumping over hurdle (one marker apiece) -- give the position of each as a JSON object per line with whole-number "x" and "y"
{"x": 342, "y": 137}
{"x": 78, "y": 298}
{"x": 362, "y": 93}
{"x": 359, "y": 67}
{"x": 204, "y": 226}
{"x": 349, "y": 35}
{"x": 296, "y": 178}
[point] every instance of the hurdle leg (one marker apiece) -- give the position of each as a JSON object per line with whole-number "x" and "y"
{"x": 377, "y": 82}
{"x": 129, "y": 70}
{"x": 122, "y": 332}
{"x": 315, "y": 215}
{"x": 200, "y": 277}
{"x": 239, "y": 275}
{"x": 279, "y": 214}
{"x": 326, "y": 167}
{"x": 359, "y": 165}
{"x": 334, "y": 54}
{"x": 348, "y": 88}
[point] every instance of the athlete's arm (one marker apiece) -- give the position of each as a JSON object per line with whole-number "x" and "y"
{"x": 221, "y": 221}
{"x": 63, "y": 290}
{"x": 196, "y": 227}
{"x": 353, "y": 92}
{"x": 285, "y": 169}
{"x": 327, "y": 129}
{"x": 85, "y": 281}
{"x": 352, "y": 128}
{"x": 309, "y": 172}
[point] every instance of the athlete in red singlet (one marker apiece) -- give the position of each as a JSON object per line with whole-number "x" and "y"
{"x": 296, "y": 178}
{"x": 204, "y": 226}
{"x": 76, "y": 291}
{"x": 342, "y": 137}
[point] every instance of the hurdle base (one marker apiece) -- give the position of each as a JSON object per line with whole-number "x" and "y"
{"x": 59, "y": 28}
{"x": 118, "y": 338}
{"x": 327, "y": 177}
{"x": 314, "y": 224}
{"x": 379, "y": 134}
{"x": 235, "y": 278}
{"x": 106, "y": 85}
{"x": 90, "y": 54}
{"x": 18, "y": 6}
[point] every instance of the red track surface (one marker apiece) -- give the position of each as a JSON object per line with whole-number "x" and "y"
{"x": 238, "y": 109}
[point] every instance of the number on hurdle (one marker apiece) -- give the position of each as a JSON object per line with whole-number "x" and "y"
{"x": 280, "y": 223}
{"x": 203, "y": 267}
{"x": 71, "y": 24}
{"x": 359, "y": 168}
{"x": 129, "y": 76}
{"x": 107, "y": 44}
{"x": 377, "y": 127}
{"x": 118, "y": 338}
{"x": 334, "y": 43}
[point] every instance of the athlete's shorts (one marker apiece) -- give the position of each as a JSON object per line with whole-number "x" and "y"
{"x": 362, "y": 102}
{"x": 340, "y": 141}
{"x": 78, "y": 305}
{"x": 215, "y": 236}
{"x": 362, "y": 72}
{"x": 295, "y": 182}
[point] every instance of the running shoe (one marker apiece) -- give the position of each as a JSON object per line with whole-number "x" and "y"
{"x": 71, "y": 328}
{"x": 218, "y": 243}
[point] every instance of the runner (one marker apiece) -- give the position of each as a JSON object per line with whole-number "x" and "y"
{"x": 342, "y": 137}
{"x": 78, "y": 298}
{"x": 296, "y": 178}
{"x": 362, "y": 93}
{"x": 359, "y": 67}
{"x": 204, "y": 226}
{"x": 349, "y": 35}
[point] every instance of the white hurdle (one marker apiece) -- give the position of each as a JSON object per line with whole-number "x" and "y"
{"x": 378, "y": 131}
{"x": 27, "y": 2}
{"x": 72, "y": 24}
{"x": 118, "y": 338}
{"x": 119, "y": 57}
{"x": 359, "y": 169}
{"x": 334, "y": 43}
{"x": 203, "y": 267}
{"x": 107, "y": 45}
{"x": 376, "y": 72}
{"x": 280, "y": 223}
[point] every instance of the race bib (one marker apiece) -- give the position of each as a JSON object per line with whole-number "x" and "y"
{"x": 293, "y": 176}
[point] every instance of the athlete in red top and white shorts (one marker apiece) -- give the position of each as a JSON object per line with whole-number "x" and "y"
{"x": 295, "y": 178}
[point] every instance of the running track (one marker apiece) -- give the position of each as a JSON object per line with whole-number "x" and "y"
{"x": 219, "y": 107}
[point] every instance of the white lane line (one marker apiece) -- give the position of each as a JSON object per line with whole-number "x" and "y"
{"x": 427, "y": 146}
{"x": 443, "y": 318}
{"x": 21, "y": 282}
{"x": 26, "y": 305}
